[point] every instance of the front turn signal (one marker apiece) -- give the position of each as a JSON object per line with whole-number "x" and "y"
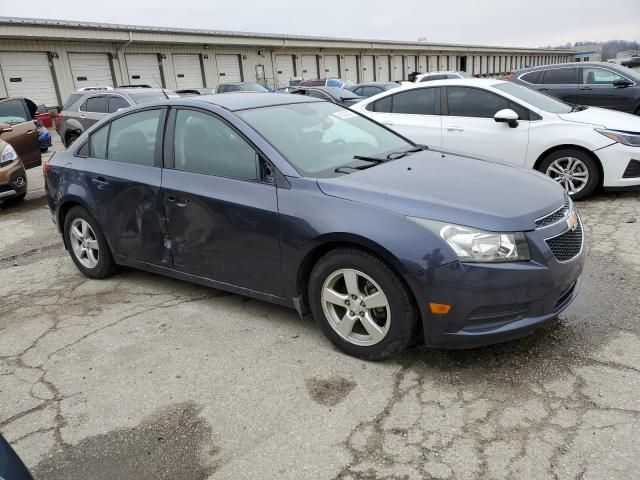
{"x": 439, "y": 308}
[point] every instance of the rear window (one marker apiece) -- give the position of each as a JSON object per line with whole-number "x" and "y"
{"x": 532, "y": 77}
{"x": 73, "y": 98}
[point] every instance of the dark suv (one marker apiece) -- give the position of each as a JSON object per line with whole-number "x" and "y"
{"x": 598, "y": 84}
{"x": 84, "y": 108}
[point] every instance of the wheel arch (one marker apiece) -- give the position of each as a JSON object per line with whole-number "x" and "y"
{"x": 64, "y": 209}
{"x": 332, "y": 242}
{"x": 588, "y": 152}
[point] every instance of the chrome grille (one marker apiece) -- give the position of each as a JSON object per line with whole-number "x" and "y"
{"x": 556, "y": 216}
{"x": 567, "y": 245}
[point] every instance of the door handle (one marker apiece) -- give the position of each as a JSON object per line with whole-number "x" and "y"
{"x": 183, "y": 203}
{"x": 543, "y": 89}
{"x": 455, "y": 128}
{"x": 82, "y": 116}
{"x": 585, "y": 88}
{"x": 29, "y": 132}
{"x": 387, "y": 122}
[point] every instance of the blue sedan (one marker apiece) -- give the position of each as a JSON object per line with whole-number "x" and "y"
{"x": 307, "y": 204}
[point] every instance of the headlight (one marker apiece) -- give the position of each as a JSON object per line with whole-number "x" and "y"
{"x": 8, "y": 155}
{"x": 473, "y": 245}
{"x": 626, "y": 138}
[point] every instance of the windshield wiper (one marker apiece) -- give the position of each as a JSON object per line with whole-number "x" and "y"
{"x": 375, "y": 160}
{"x": 404, "y": 153}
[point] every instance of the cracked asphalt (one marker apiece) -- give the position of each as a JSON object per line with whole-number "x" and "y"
{"x": 143, "y": 377}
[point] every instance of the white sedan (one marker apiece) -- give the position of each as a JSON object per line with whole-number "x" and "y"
{"x": 579, "y": 147}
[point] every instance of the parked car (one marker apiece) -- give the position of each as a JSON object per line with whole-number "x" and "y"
{"x": 44, "y": 137}
{"x": 327, "y": 82}
{"x": 43, "y": 115}
{"x": 313, "y": 206}
{"x": 598, "y": 84}
{"x": 633, "y": 62}
{"x": 18, "y": 128}
{"x": 581, "y": 148}
{"x": 240, "y": 87}
{"x": 11, "y": 467}
{"x": 13, "y": 177}
{"x": 195, "y": 91}
{"x": 288, "y": 89}
{"x": 446, "y": 75}
{"x": 369, "y": 89}
{"x": 337, "y": 95}
{"x": 83, "y": 109}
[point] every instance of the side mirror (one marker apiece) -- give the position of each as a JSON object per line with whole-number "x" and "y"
{"x": 5, "y": 127}
{"x": 507, "y": 116}
{"x": 621, "y": 83}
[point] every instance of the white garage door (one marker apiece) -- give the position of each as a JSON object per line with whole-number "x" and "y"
{"x": 442, "y": 60}
{"x": 90, "y": 70}
{"x": 28, "y": 75}
{"x": 453, "y": 62}
{"x": 350, "y": 68}
{"x": 382, "y": 68}
{"x": 228, "y": 68}
{"x": 476, "y": 64}
{"x": 331, "y": 69}
{"x": 397, "y": 72}
{"x": 284, "y": 69}
{"x": 309, "y": 67}
{"x": 188, "y": 71}
{"x": 143, "y": 69}
{"x": 433, "y": 63}
{"x": 422, "y": 63}
{"x": 409, "y": 65}
{"x": 367, "y": 68}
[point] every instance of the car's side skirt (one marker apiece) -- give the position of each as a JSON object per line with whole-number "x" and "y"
{"x": 187, "y": 277}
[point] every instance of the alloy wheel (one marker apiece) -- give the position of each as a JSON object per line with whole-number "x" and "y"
{"x": 356, "y": 307}
{"x": 84, "y": 243}
{"x": 570, "y": 172}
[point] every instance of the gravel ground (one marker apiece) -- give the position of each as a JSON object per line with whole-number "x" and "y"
{"x": 142, "y": 377}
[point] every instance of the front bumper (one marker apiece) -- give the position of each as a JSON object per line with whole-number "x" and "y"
{"x": 615, "y": 161}
{"x": 493, "y": 303}
{"x": 13, "y": 180}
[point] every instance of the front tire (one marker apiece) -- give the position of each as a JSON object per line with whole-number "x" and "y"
{"x": 362, "y": 305}
{"x": 575, "y": 170}
{"x": 87, "y": 245}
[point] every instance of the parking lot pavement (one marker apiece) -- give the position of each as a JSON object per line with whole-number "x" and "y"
{"x": 143, "y": 377}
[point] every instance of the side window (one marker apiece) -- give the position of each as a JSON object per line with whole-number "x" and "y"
{"x": 98, "y": 143}
{"x": 420, "y": 101}
{"x": 598, "y": 76}
{"x": 560, "y": 76}
{"x": 133, "y": 138}
{"x": 205, "y": 144}
{"x": 95, "y": 105}
{"x": 222, "y": 89}
{"x": 233, "y": 88}
{"x": 473, "y": 102}
{"x": 116, "y": 103}
{"x": 13, "y": 112}
{"x": 532, "y": 77}
{"x": 383, "y": 105}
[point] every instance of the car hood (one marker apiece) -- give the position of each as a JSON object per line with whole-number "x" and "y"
{"x": 451, "y": 188}
{"x": 602, "y": 117}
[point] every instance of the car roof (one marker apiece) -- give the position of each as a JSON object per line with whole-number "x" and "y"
{"x": 374, "y": 84}
{"x": 439, "y": 72}
{"x": 245, "y": 101}
{"x": 458, "y": 82}
{"x": 566, "y": 65}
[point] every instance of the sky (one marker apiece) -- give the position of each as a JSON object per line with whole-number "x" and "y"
{"x": 488, "y": 22}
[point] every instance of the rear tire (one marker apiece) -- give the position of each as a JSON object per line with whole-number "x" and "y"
{"x": 574, "y": 170}
{"x": 340, "y": 285}
{"x": 87, "y": 245}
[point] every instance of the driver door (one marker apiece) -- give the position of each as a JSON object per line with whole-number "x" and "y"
{"x": 19, "y": 130}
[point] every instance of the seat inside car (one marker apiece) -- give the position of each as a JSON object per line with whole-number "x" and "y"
{"x": 132, "y": 146}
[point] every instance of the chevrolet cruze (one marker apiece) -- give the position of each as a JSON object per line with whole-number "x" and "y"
{"x": 306, "y": 204}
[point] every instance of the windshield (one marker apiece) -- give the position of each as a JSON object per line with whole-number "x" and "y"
{"x": 252, "y": 87}
{"x": 536, "y": 99}
{"x": 147, "y": 97}
{"x": 318, "y": 137}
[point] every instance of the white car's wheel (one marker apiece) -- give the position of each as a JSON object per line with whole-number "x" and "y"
{"x": 575, "y": 170}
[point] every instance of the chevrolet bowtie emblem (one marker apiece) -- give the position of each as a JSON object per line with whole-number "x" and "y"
{"x": 572, "y": 221}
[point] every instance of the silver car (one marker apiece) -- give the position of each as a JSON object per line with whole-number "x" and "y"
{"x": 84, "y": 108}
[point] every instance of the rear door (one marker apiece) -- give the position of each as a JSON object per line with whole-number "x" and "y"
{"x": 561, "y": 83}
{"x": 413, "y": 113}
{"x": 597, "y": 89}
{"x": 20, "y": 131}
{"x": 222, "y": 217}
{"x": 468, "y": 127}
{"x": 123, "y": 173}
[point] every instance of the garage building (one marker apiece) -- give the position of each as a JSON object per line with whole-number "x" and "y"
{"x": 47, "y": 60}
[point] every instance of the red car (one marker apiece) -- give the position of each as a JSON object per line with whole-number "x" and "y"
{"x": 42, "y": 114}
